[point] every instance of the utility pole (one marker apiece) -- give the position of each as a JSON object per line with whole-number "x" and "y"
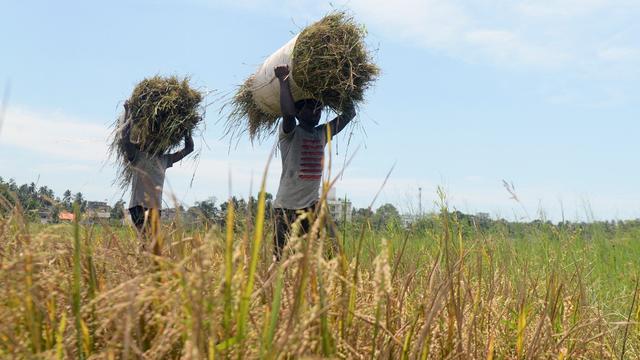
{"x": 420, "y": 201}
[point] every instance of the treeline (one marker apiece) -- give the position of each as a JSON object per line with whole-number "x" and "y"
{"x": 34, "y": 199}
{"x": 482, "y": 224}
{"x": 211, "y": 212}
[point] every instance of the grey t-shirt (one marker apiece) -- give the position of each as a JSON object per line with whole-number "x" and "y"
{"x": 148, "y": 179}
{"x": 302, "y": 155}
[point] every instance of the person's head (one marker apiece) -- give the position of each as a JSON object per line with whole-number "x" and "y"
{"x": 309, "y": 111}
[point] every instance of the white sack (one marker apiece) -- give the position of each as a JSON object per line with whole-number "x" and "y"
{"x": 266, "y": 88}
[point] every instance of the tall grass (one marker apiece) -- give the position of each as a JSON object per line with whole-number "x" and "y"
{"x": 443, "y": 292}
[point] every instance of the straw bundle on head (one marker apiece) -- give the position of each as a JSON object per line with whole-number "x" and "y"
{"x": 244, "y": 107}
{"x": 331, "y": 62}
{"x": 328, "y": 61}
{"x": 163, "y": 110}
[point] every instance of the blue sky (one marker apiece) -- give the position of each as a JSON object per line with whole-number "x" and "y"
{"x": 540, "y": 93}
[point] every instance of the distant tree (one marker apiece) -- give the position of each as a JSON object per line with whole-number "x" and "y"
{"x": 360, "y": 215}
{"x": 66, "y": 200}
{"x": 385, "y": 215}
{"x": 5, "y": 195}
{"x": 268, "y": 206}
{"x": 252, "y": 205}
{"x": 31, "y": 200}
{"x": 207, "y": 209}
{"x": 117, "y": 211}
{"x": 28, "y": 198}
{"x": 13, "y": 187}
{"x": 241, "y": 206}
{"x": 80, "y": 201}
{"x": 32, "y": 189}
{"x": 55, "y": 214}
{"x": 46, "y": 196}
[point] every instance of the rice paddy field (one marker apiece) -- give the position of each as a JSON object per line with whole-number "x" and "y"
{"x": 445, "y": 288}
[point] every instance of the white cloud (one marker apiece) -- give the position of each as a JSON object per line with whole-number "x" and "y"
{"x": 620, "y": 54}
{"x": 54, "y": 135}
{"x": 455, "y": 29}
{"x": 561, "y": 8}
{"x": 538, "y": 33}
{"x": 431, "y": 22}
{"x": 506, "y": 47}
{"x": 580, "y": 38}
{"x": 305, "y": 10}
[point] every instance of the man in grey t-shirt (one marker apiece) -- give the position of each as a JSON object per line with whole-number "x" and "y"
{"x": 302, "y": 151}
{"x": 148, "y": 173}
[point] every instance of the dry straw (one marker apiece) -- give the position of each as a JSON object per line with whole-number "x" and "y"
{"x": 163, "y": 110}
{"x": 330, "y": 62}
{"x": 244, "y": 107}
{"x": 76, "y": 292}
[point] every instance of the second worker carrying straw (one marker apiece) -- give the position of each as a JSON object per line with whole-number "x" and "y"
{"x": 160, "y": 115}
{"x": 301, "y": 144}
{"x": 148, "y": 172}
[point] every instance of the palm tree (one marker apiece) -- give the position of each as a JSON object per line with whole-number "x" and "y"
{"x": 46, "y": 196}
{"x": 66, "y": 200}
{"x": 79, "y": 199}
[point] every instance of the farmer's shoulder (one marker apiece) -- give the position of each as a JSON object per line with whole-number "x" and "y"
{"x": 287, "y": 136}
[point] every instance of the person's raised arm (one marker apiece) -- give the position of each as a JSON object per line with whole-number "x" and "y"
{"x": 287, "y": 105}
{"x": 130, "y": 149}
{"x": 342, "y": 120}
{"x": 188, "y": 149}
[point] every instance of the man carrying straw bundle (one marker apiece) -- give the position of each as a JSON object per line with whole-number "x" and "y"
{"x": 302, "y": 150}
{"x": 148, "y": 172}
{"x": 326, "y": 66}
{"x": 160, "y": 115}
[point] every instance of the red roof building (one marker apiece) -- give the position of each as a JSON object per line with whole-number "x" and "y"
{"x": 66, "y": 216}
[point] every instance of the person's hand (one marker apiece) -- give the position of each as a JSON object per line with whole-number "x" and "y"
{"x": 349, "y": 109}
{"x": 188, "y": 140}
{"x": 281, "y": 71}
{"x": 348, "y": 105}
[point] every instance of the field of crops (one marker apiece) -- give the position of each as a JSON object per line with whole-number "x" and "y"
{"x": 442, "y": 289}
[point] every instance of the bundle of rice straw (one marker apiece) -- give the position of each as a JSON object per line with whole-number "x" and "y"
{"x": 163, "y": 111}
{"x": 328, "y": 61}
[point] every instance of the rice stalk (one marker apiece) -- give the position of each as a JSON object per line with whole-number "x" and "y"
{"x": 228, "y": 271}
{"x": 60, "y": 337}
{"x": 176, "y": 310}
{"x": 267, "y": 344}
{"x": 243, "y": 310}
{"x": 75, "y": 290}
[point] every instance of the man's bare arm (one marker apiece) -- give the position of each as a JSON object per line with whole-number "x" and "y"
{"x": 287, "y": 105}
{"x": 188, "y": 149}
{"x": 342, "y": 120}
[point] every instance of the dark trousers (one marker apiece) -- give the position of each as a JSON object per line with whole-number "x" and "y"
{"x": 137, "y": 216}
{"x": 284, "y": 219}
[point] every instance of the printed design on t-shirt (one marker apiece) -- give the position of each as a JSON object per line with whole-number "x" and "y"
{"x": 311, "y": 159}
